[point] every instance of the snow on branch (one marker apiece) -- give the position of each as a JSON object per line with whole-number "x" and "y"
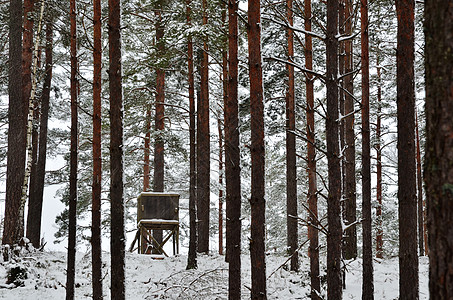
{"x": 316, "y": 74}
{"x": 342, "y": 38}
{"x": 346, "y": 227}
{"x": 341, "y": 117}
{"x": 353, "y": 72}
{"x": 313, "y": 34}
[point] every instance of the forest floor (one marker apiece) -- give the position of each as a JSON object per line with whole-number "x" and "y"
{"x": 148, "y": 278}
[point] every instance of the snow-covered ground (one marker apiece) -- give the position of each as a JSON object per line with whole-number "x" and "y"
{"x": 147, "y": 278}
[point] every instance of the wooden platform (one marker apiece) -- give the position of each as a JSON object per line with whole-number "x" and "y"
{"x": 147, "y": 243}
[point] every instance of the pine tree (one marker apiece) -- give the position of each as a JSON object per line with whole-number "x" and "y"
{"x": 313, "y": 250}
{"x": 334, "y": 283}
{"x": 70, "y": 279}
{"x": 257, "y": 201}
{"x": 291, "y": 180}
{"x": 379, "y": 229}
{"x": 368, "y": 284}
{"x": 438, "y": 159}
{"x": 350, "y": 239}
{"x": 220, "y": 130}
{"x": 146, "y": 150}
{"x": 192, "y": 255}
{"x": 159, "y": 160}
{"x": 17, "y": 127}
{"x": 96, "y": 250}
{"x": 232, "y": 160}
{"x": 420, "y": 202}
{"x": 117, "y": 239}
{"x": 203, "y": 146}
{"x": 27, "y": 61}
{"x": 158, "y": 179}
{"x": 407, "y": 209}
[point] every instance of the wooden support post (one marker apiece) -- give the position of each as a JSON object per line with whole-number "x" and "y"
{"x": 146, "y": 239}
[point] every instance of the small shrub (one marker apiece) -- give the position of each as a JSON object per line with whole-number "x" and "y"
{"x": 17, "y": 276}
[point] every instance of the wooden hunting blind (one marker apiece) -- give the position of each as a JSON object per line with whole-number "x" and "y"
{"x": 157, "y": 212}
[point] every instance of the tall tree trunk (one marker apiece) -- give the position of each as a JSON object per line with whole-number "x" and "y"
{"x": 27, "y": 50}
{"x": 27, "y": 61}
{"x": 341, "y": 124}
{"x": 158, "y": 179}
{"x": 70, "y": 279}
{"x": 219, "y": 126}
{"x": 313, "y": 250}
{"x": 334, "y": 284}
{"x": 118, "y": 239}
{"x": 192, "y": 255}
{"x": 32, "y": 194}
{"x": 420, "y": 206}
{"x": 17, "y": 120}
{"x": 96, "y": 250}
{"x": 204, "y": 149}
{"x": 146, "y": 151}
{"x": 257, "y": 201}
{"x": 291, "y": 177}
{"x": 36, "y": 198}
{"x": 350, "y": 239}
{"x": 367, "y": 283}
{"x": 221, "y": 130}
{"x": 379, "y": 228}
{"x": 407, "y": 194}
{"x": 439, "y": 141}
{"x": 32, "y": 120}
{"x": 232, "y": 160}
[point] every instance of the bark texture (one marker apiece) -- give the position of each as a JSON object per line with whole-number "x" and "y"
{"x": 117, "y": 239}
{"x": 204, "y": 149}
{"x": 257, "y": 201}
{"x": 37, "y": 185}
{"x": 17, "y": 119}
{"x": 192, "y": 255}
{"x": 70, "y": 279}
{"x": 350, "y": 237}
{"x": 27, "y": 50}
{"x": 368, "y": 282}
{"x": 313, "y": 250}
{"x": 439, "y": 145}
{"x": 232, "y": 160}
{"x": 291, "y": 175}
{"x": 158, "y": 178}
{"x": 32, "y": 194}
{"x": 32, "y": 119}
{"x": 379, "y": 229}
{"x": 96, "y": 250}
{"x": 407, "y": 195}
{"x": 341, "y": 62}
{"x": 334, "y": 283}
{"x": 27, "y": 62}
{"x": 420, "y": 204}
{"x": 219, "y": 127}
{"x": 146, "y": 150}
